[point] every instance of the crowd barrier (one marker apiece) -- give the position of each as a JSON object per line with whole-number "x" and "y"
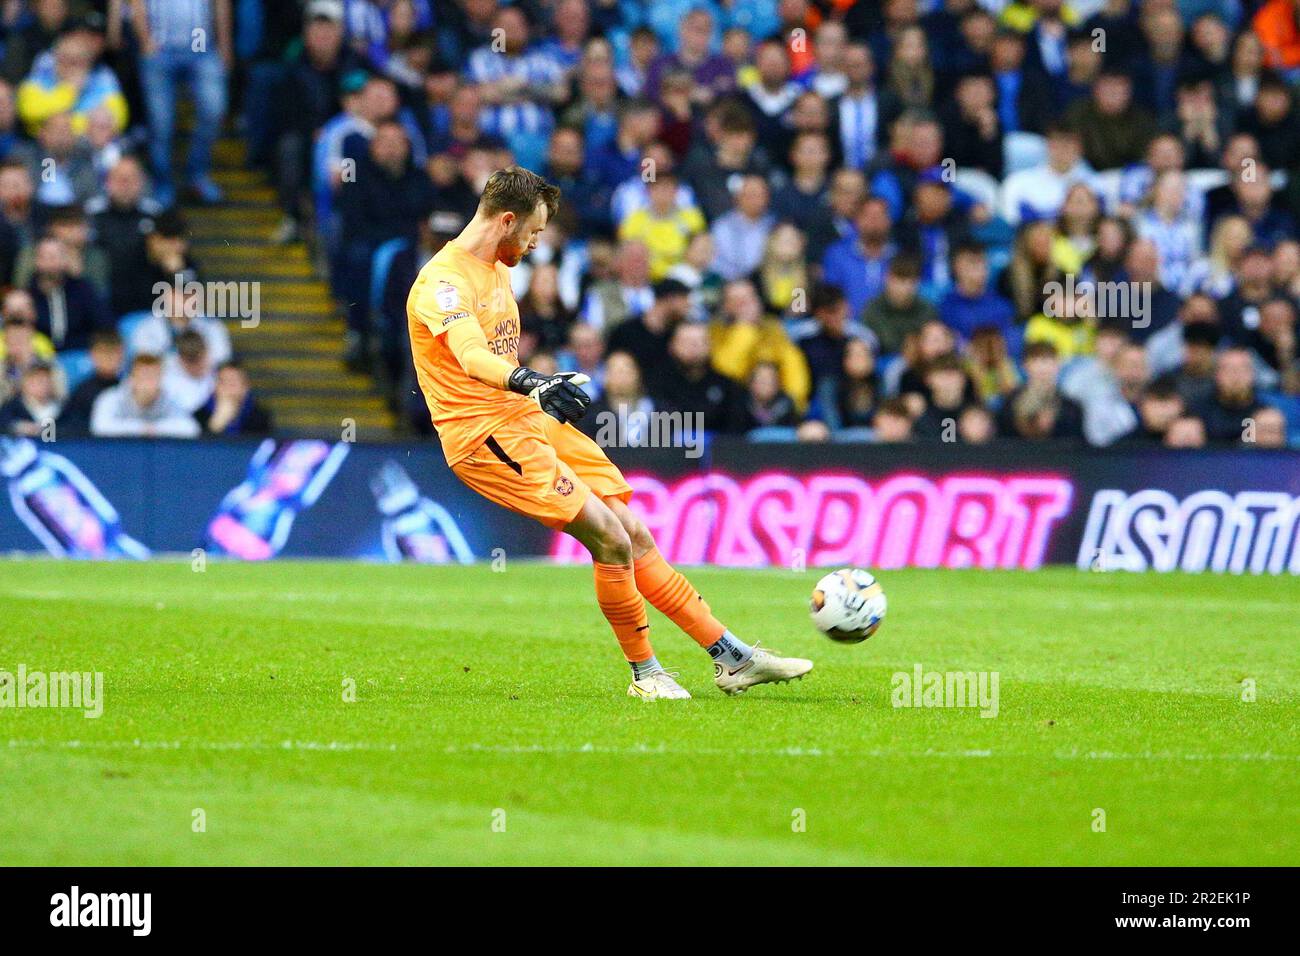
{"x": 738, "y": 504}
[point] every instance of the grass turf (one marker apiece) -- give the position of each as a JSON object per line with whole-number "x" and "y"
{"x": 489, "y": 698}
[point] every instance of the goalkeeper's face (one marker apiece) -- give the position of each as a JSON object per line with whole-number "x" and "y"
{"x": 521, "y": 239}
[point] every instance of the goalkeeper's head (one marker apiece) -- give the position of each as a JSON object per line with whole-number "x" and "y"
{"x": 516, "y": 205}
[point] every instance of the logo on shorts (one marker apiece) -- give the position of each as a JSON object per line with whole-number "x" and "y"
{"x": 564, "y": 486}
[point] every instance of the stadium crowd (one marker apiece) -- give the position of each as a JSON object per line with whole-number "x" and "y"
{"x": 880, "y": 220}
{"x": 90, "y": 230}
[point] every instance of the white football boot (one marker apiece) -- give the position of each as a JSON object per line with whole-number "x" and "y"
{"x": 658, "y": 686}
{"x": 763, "y": 668}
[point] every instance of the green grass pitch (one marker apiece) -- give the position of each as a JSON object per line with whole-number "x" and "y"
{"x": 491, "y": 725}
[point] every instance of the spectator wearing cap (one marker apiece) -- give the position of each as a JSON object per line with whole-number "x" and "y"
{"x": 66, "y": 79}
{"x": 139, "y": 408}
{"x": 121, "y": 219}
{"x": 233, "y": 409}
{"x": 645, "y": 337}
{"x": 933, "y": 228}
{"x": 1233, "y": 398}
{"x": 740, "y": 236}
{"x": 743, "y": 335}
{"x": 341, "y": 143}
{"x": 858, "y": 262}
{"x": 899, "y": 309}
{"x": 68, "y": 309}
{"x": 1039, "y": 192}
{"x": 35, "y": 408}
{"x": 166, "y": 32}
{"x": 1165, "y": 348}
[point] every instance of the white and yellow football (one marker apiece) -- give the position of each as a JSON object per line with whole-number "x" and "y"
{"x": 848, "y": 605}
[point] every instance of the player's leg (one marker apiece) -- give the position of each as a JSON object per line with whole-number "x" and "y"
{"x": 601, "y": 533}
{"x": 736, "y": 665}
{"x": 518, "y": 468}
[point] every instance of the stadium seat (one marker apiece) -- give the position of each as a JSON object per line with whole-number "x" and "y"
{"x": 77, "y": 367}
{"x": 1023, "y": 151}
{"x": 980, "y": 186}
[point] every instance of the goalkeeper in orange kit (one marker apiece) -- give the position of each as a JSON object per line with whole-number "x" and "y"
{"x": 506, "y": 433}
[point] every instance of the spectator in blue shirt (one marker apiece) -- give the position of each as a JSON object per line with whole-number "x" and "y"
{"x": 971, "y": 304}
{"x": 857, "y": 264}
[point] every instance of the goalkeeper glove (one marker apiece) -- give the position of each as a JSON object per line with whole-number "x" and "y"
{"x": 559, "y": 395}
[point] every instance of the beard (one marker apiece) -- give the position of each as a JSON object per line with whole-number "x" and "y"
{"x": 511, "y": 250}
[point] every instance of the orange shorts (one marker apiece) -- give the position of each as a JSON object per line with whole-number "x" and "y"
{"x": 541, "y": 469}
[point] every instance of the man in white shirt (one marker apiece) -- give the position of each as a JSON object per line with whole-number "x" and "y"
{"x": 139, "y": 407}
{"x": 1039, "y": 192}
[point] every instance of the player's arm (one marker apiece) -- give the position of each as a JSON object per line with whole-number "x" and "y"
{"x": 559, "y": 395}
{"x": 441, "y": 310}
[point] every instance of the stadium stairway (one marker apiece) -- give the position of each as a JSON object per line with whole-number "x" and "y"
{"x": 293, "y": 355}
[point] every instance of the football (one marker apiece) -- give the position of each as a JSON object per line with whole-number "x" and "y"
{"x": 848, "y": 605}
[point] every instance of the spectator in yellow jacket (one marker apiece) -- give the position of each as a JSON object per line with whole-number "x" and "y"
{"x": 742, "y": 337}
{"x": 66, "y": 80}
{"x": 665, "y": 227}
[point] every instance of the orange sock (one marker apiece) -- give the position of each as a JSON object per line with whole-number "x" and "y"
{"x": 624, "y": 608}
{"x": 672, "y": 594}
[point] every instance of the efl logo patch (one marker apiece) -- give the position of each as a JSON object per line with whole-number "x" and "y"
{"x": 447, "y": 296}
{"x": 564, "y": 486}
